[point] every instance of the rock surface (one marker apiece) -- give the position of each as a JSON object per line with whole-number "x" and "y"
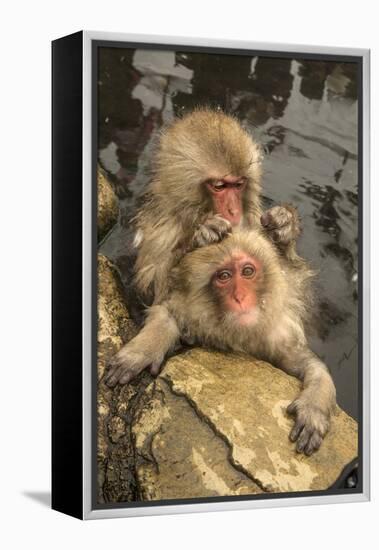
{"x": 216, "y": 424}
{"x": 107, "y": 206}
{"x": 211, "y": 424}
{"x": 115, "y": 455}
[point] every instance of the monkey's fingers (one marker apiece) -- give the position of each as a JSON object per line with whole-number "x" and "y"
{"x": 282, "y": 223}
{"x": 121, "y": 375}
{"x": 292, "y": 409}
{"x": 279, "y": 216}
{"x": 127, "y": 376}
{"x": 309, "y": 440}
{"x": 296, "y": 430}
{"x": 283, "y": 235}
{"x": 111, "y": 368}
{"x": 213, "y": 230}
{"x": 121, "y": 370}
{"x": 127, "y": 365}
{"x": 313, "y": 444}
{"x": 310, "y": 427}
{"x": 155, "y": 369}
{"x": 113, "y": 375}
{"x": 275, "y": 217}
{"x": 303, "y": 438}
{"x": 206, "y": 235}
{"x": 219, "y": 224}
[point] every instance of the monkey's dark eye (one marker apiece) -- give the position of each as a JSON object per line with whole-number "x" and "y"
{"x": 223, "y": 275}
{"x": 248, "y": 271}
{"x": 218, "y": 186}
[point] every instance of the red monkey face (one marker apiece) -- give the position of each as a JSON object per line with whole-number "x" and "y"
{"x": 226, "y": 194}
{"x": 236, "y": 284}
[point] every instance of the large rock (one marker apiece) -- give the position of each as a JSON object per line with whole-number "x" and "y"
{"x": 116, "y": 481}
{"x": 212, "y": 424}
{"x": 216, "y": 424}
{"x": 107, "y": 206}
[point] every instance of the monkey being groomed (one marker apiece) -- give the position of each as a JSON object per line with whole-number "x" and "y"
{"x": 242, "y": 295}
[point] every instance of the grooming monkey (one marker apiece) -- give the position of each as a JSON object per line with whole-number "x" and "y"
{"x": 206, "y": 182}
{"x": 242, "y": 295}
{"x": 207, "y": 173}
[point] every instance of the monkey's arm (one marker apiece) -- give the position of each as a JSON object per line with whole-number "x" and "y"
{"x": 313, "y": 407}
{"x": 282, "y": 225}
{"x": 159, "y": 335}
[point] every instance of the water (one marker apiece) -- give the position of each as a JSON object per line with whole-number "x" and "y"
{"x": 303, "y": 112}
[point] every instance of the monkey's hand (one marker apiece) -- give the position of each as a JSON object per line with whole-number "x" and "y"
{"x": 213, "y": 230}
{"x": 311, "y": 424}
{"x": 282, "y": 224}
{"x": 128, "y": 363}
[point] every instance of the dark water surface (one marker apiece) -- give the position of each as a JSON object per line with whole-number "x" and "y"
{"x": 303, "y": 112}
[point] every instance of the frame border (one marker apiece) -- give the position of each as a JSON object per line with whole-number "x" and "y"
{"x": 66, "y": 418}
{"x": 92, "y": 39}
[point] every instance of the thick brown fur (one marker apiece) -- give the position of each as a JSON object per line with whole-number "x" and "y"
{"x": 201, "y": 145}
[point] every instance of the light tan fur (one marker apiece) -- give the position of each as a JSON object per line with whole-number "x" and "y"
{"x": 194, "y": 314}
{"x": 282, "y": 309}
{"x": 284, "y": 301}
{"x": 203, "y": 144}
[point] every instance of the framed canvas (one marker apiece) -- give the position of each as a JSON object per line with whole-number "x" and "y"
{"x": 210, "y": 275}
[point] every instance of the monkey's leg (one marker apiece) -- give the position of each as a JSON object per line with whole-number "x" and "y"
{"x": 282, "y": 225}
{"x": 148, "y": 349}
{"x": 313, "y": 407}
{"x": 213, "y": 230}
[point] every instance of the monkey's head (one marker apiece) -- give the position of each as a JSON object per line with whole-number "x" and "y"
{"x": 207, "y": 163}
{"x": 238, "y": 282}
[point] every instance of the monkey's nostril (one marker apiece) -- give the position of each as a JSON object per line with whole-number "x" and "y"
{"x": 239, "y": 298}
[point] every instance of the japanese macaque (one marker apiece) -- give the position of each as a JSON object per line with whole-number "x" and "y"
{"x": 206, "y": 184}
{"x": 207, "y": 173}
{"x": 242, "y": 295}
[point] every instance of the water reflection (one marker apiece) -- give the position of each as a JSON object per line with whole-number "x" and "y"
{"x": 304, "y": 113}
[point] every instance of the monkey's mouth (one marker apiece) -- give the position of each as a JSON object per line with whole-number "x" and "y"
{"x": 245, "y": 318}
